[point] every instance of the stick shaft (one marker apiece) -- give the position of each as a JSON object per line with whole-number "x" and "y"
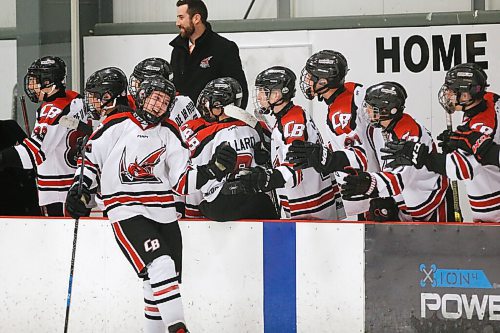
{"x": 457, "y": 212}
{"x": 25, "y": 115}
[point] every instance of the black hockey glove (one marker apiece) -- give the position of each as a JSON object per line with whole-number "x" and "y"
{"x": 223, "y": 161}
{"x": 76, "y": 205}
{"x": 444, "y": 141}
{"x": 475, "y": 143}
{"x": 306, "y": 154}
{"x": 261, "y": 154}
{"x": 260, "y": 179}
{"x": 383, "y": 210}
{"x": 405, "y": 153}
{"x": 358, "y": 185}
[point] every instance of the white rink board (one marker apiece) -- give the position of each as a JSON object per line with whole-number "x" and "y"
{"x": 222, "y": 280}
{"x": 8, "y": 73}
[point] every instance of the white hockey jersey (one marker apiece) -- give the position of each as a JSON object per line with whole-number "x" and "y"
{"x": 139, "y": 167}
{"x": 347, "y": 127}
{"x": 482, "y": 182}
{"x": 307, "y": 194}
{"x": 203, "y": 143}
{"x": 52, "y": 148}
{"x": 423, "y": 192}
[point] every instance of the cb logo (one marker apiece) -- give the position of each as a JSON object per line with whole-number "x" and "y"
{"x": 151, "y": 245}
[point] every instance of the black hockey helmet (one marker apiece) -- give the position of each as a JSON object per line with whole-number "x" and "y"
{"x": 463, "y": 78}
{"x": 155, "y": 95}
{"x": 149, "y": 68}
{"x": 386, "y": 101}
{"x": 48, "y": 71}
{"x": 274, "y": 78}
{"x": 329, "y": 65}
{"x": 217, "y": 94}
{"x": 110, "y": 81}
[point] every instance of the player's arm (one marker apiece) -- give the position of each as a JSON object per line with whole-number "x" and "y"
{"x": 456, "y": 165}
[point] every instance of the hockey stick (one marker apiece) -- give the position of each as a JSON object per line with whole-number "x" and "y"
{"x": 25, "y": 115}
{"x": 249, "y": 119}
{"x": 75, "y": 236}
{"x": 454, "y": 184}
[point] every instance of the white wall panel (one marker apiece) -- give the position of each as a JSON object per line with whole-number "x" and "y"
{"x": 8, "y": 14}
{"x": 8, "y": 73}
{"x": 492, "y": 4}
{"x": 125, "y": 11}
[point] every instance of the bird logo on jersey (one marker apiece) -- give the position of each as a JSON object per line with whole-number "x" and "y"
{"x": 205, "y": 63}
{"x": 140, "y": 172}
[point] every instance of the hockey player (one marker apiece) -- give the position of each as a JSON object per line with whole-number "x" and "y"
{"x": 303, "y": 194}
{"x": 219, "y": 194}
{"x": 184, "y": 108}
{"x": 51, "y": 150}
{"x": 323, "y": 77}
{"x": 106, "y": 93}
{"x": 420, "y": 195}
{"x": 464, "y": 90}
{"x": 142, "y": 160}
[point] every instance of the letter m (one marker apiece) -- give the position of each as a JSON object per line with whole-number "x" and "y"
{"x": 439, "y": 52}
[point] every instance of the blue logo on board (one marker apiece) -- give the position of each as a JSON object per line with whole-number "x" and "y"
{"x": 453, "y": 278}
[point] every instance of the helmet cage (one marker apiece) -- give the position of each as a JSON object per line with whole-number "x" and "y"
{"x": 275, "y": 79}
{"x": 144, "y": 104}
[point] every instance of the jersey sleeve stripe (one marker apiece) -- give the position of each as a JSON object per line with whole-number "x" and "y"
{"x": 393, "y": 181}
{"x": 33, "y": 149}
{"x": 433, "y": 202}
{"x": 464, "y": 169}
{"x": 361, "y": 158}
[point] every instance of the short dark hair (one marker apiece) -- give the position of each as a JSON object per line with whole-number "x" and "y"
{"x": 195, "y": 7}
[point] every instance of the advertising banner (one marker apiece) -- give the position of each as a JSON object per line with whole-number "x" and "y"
{"x": 432, "y": 278}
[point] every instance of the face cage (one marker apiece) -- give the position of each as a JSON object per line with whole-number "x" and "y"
{"x": 134, "y": 85}
{"x": 447, "y": 103}
{"x": 150, "y": 104}
{"x": 378, "y": 115}
{"x": 30, "y": 87}
{"x": 307, "y": 83}
{"x": 255, "y": 96}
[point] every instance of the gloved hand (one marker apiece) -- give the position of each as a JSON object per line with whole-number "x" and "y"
{"x": 76, "y": 204}
{"x": 306, "y": 154}
{"x": 383, "y": 210}
{"x": 405, "y": 153}
{"x": 444, "y": 139}
{"x": 260, "y": 179}
{"x": 223, "y": 162}
{"x": 475, "y": 143}
{"x": 358, "y": 185}
{"x": 261, "y": 154}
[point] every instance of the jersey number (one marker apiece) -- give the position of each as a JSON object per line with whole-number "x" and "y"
{"x": 73, "y": 139}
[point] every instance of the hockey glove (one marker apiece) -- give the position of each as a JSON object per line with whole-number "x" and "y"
{"x": 306, "y": 154}
{"x": 358, "y": 185}
{"x": 261, "y": 154}
{"x": 383, "y": 210}
{"x": 444, "y": 141}
{"x": 223, "y": 162}
{"x": 260, "y": 179}
{"x": 475, "y": 143}
{"x": 405, "y": 153}
{"x": 76, "y": 204}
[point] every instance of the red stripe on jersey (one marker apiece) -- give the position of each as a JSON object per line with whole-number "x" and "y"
{"x": 362, "y": 157}
{"x": 143, "y": 199}
{"x": 485, "y": 203}
{"x": 166, "y": 290}
{"x": 396, "y": 188}
{"x": 191, "y": 213}
{"x": 55, "y": 182}
{"x": 151, "y": 309}
{"x": 313, "y": 203}
{"x": 34, "y": 150}
{"x": 462, "y": 166}
{"x": 136, "y": 260}
{"x": 180, "y": 188}
{"x": 431, "y": 206}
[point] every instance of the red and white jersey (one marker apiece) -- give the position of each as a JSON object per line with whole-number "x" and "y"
{"x": 52, "y": 148}
{"x": 203, "y": 143}
{"x": 482, "y": 182}
{"x": 423, "y": 192}
{"x": 347, "y": 126}
{"x": 307, "y": 194}
{"x": 139, "y": 166}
